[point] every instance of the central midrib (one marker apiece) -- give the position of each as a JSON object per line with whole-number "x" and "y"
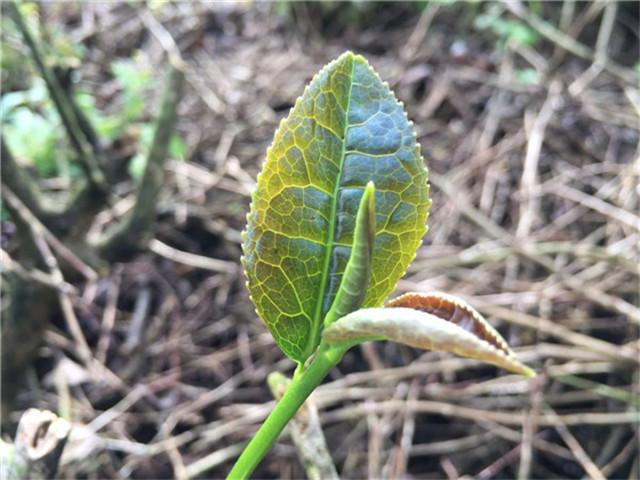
{"x": 317, "y": 315}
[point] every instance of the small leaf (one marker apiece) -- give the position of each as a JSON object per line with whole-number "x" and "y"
{"x": 136, "y": 166}
{"x": 358, "y": 271}
{"x": 432, "y": 322}
{"x": 454, "y": 310}
{"x": 347, "y": 129}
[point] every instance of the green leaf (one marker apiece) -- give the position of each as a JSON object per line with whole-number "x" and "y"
{"x": 177, "y": 147}
{"x": 527, "y": 75}
{"x": 136, "y": 166}
{"x": 135, "y": 80}
{"x": 39, "y": 149}
{"x": 356, "y": 276}
{"x": 505, "y": 29}
{"x": 346, "y": 130}
{"x": 432, "y": 321}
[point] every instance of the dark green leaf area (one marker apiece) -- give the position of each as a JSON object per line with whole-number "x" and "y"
{"x": 346, "y": 130}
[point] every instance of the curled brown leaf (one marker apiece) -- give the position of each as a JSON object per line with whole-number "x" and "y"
{"x": 432, "y": 321}
{"x": 454, "y": 310}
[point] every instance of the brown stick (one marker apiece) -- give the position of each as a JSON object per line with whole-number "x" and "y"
{"x": 568, "y": 43}
{"x": 462, "y": 203}
{"x": 86, "y": 156}
{"x": 38, "y": 233}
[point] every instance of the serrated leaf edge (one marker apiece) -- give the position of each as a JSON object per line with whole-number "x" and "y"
{"x": 418, "y": 150}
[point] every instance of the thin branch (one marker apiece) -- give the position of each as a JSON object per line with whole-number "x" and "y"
{"x": 579, "y": 453}
{"x": 109, "y": 315}
{"x": 594, "y": 203}
{"x": 568, "y": 43}
{"x": 602, "y": 44}
{"x": 214, "y": 459}
{"x": 490, "y": 252}
{"x": 606, "y": 27}
{"x": 40, "y": 237}
{"x": 464, "y": 205}
{"x": 419, "y": 33}
{"x": 25, "y": 215}
{"x": 478, "y": 415}
{"x": 133, "y": 232}
{"x": 191, "y": 259}
{"x": 620, "y": 458}
{"x": 306, "y": 433}
{"x": 63, "y": 103}
{"x": 400, "y": 459}
{"x": 529, "y": 179}
{"x": 163, "y": 37}
{"x": 559, "y": 331}
{"x": 8, "y": 264}
{"x": 529, "y": 429}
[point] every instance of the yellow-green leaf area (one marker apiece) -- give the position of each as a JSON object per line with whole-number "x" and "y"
{"x": 347, "y": 129}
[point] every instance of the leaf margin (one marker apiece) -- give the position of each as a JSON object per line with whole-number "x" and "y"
{"x": 423, "y": 208}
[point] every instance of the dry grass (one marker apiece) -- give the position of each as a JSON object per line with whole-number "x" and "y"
{"x": 534, "y": 221}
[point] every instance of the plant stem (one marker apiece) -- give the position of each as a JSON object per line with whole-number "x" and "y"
{"x": 135, "y": 230}
{"x": 63, "y": 102}
{"x": 306, "y": 433}
{"x": 301, "y": 386}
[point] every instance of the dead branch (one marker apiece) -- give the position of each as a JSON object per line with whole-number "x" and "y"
{"x": 579, "y": 453}
{"x": 462, "y": 203}
{"x": 134, "y": 230}
{"x": 568, "y": 43}
{"x": 39, "y": 236}
{"x": 191, "y": 259}
{"x": 9, "y": 265}
{"x": 63, "y": 103}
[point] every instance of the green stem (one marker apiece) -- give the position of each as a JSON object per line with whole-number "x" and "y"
{"x": 301, "y": 386}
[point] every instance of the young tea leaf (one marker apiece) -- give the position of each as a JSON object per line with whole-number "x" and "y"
{"x": 454, "y": 310}
{"x": 355, "y": 278}
{"x": 435, "y": 322}
{"x": 346, "y": 130}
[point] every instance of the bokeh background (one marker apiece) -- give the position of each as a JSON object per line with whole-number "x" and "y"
{"x": 146, "y": 340}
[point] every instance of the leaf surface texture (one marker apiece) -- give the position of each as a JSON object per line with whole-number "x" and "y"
{"x": 347, "y": 129}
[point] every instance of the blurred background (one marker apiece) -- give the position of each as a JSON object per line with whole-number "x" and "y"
{"x": 132, "y": 134}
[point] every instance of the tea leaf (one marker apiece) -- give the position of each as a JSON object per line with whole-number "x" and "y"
{"x": 454, "y": 310}
{"x": 435, "y": 322}
{"x": 355, "y": 279}
{"x": 347, "y": 129}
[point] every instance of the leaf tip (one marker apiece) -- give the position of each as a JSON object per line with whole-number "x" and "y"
{"x": 348, "y": 55}
{"x": 370, "y": 193}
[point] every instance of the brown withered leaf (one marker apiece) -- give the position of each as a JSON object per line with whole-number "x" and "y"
{"x": 431, "y": 321}
{"x": 454, "y": 310}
